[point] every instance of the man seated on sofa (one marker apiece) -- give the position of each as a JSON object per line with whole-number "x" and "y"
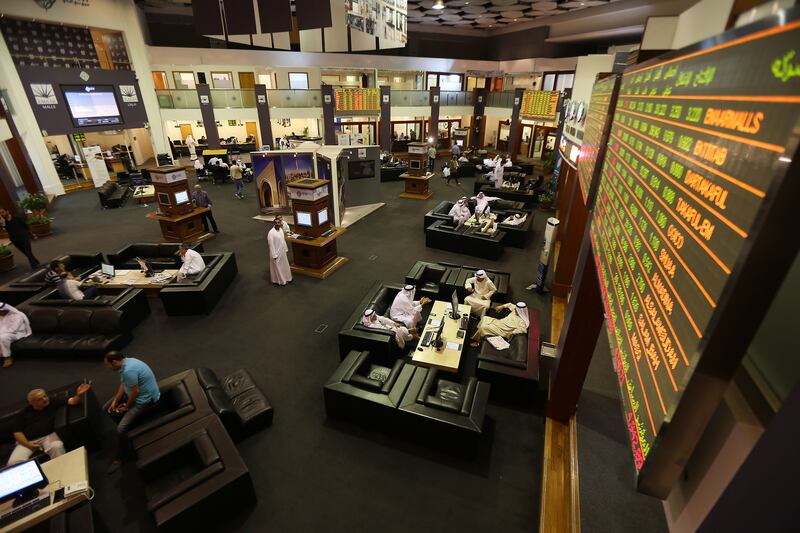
{"x": 37, "y": 420}
{"x": 515, "y": 220}
{"x": 405, "y": 310}
{"x": 516, "y": 322}
{"x": 69, "y": 286}
{"x": 371, "y": 319}
{"x": 14, "y": 325}
{"x": 460, "y": 213}
{"x": 137, "y": 392}
{"x": 193, "y": 262}
{"x": 482, "y": 202}
{"x": 480, "y": 290}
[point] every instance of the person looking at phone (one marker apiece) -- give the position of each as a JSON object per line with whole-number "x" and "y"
{"x": 37, "y": 420}
{"x": 138, "y": 391}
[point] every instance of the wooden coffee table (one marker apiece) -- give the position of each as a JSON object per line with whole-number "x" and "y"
{"x": 137, "y": 279}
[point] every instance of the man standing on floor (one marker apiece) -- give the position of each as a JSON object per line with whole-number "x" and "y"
{"x": 19, "y": 234}
{"x": 200, "y": 198}
{"x": 431, "y": 157}
{"x": 14, "y": 325}
{"x": 38, "y": 420}
{"x": 279, "y": 271}
{"x": 138, "y": 391}
{"x": 236, "y": 177}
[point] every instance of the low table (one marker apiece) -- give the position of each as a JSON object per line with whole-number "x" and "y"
{"x": 62, "y": 471}
{"x": 449, "y": 356}
{"x": 137, "y": 279}
{"x": 181, "y": 228}
{"x": 144, "y": 193}
{"x": 416, "y": 187}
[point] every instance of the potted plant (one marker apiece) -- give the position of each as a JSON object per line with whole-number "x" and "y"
{"x": 39, "y": 224}
{"x": 6, "y": 258}
{"x": 35, "y": 203}
{"x": 546, "y": 200}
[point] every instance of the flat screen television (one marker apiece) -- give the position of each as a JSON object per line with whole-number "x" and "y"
{"x": 92, "y": 105}
{"x": 302, "y": 219}
{"x": 357, "y": 170}
{"x": 415, "y": 164}
{"x": 460, "y": 142}
{"x": 322, "y": 216}
{"x": 181, "y": 197}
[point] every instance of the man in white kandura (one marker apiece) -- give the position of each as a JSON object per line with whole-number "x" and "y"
{"x": 498, "y": 176}
{"x": 191, "y": 144}
{"x": 371, "y": 319}
{"x": 405, "y": 310}
{"x": 514, "y": 323}
{"x": 515, "y": 220}
{"x": 14, "y": 325}
{"x": 480, "y": 290}
{"x": 279, "y": 271}
{"x": 460, "y": 213}
{"x": 482, "y": 202}
{"x": 192, "y": 262}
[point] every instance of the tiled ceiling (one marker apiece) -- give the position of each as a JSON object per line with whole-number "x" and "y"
{"x": 491, "y": 13}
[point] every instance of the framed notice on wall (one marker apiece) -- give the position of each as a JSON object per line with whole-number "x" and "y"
{"x": 689, "y": 228}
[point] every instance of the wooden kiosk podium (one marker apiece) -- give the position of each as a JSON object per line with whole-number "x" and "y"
{"x": 416, "y": 179}
{"x": 314, "y": 250}
{"x": 179, "y": 219}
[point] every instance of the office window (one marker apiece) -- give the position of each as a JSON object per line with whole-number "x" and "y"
{"x": 184, "y": 80}
{"x": 160, "y": 80}
{"x": 558, "y": 81}
{"x": 221, "y": 80}
{"x": 445, "y": 81}
{"x": 266, "y": 80}
{"x": 433, "y": 80}
{"x": 298, "y": 80}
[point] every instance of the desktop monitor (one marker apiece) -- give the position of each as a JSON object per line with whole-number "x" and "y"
{"x": 415, "y": 164}
{"x": 454, "y": 302}
{"x": 302, "y": 219}
{"x": 163, "y": 198}
{"x": 181, "y": 197}
{"x": 107, "y": 269}
{"x": 459, "y": 142}
{"x": 21, "y": 481}
{"x": 322, "y": 216}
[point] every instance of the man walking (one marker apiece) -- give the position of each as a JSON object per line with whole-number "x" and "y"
{"x": 431, "y": 157}
{"x": 200, "y": 198}
{"x": 138, "y": 391}
{"x": 236, "y": 176}
{"x": 279, "y": 271}
{"x": 19, "y": 234}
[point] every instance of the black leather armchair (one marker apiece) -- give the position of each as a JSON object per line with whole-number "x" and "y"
{"x": 200, "y": 293}
{"x": 443, "y": 412}
{"x": 73, "y": 332}
{"x": 77, "y": 425}
{"x": 516, "y": 236}
{"x": 194, "y": 477}
{"x": 26, "y": 286}
{"x": 131, "y": 302}
{"x": 159, "y": 255}
{"x": 431, "y": 279}
{"x": 218, "y": 173}
{"x": 113, "y": 195}
{"x": 466, "y": 240}
{"x": 238, "y": 401}
{"x": 364, "y": 392}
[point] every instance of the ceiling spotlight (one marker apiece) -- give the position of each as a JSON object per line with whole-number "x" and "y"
{"x": 438, "y": 4}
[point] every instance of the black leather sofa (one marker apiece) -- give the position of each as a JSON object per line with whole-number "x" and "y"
{"x": 113, "y": 195}
{"x": 465, "y": 240}
{"x": 194, "y": 478}
{"x": 393, "y": 172}
{"x": 513, "y": 372}
{"x": 199, "y": 294}
{"x": 381, "y": 343}
{"x": 365, "y": 392}
{"x": 466, "y": 169}
{"x": 443, "y": 412}
{"x": 131, "y": 302}
{"x": 77, "y": 425}
{"x": 527, "y": 193}
{"x": 26, "y": 286}
{"x": 434, "y": 280}
{"x": 501, "y": 280}
{"x": 159, "y": 255}
{"x": 516, "y": 236}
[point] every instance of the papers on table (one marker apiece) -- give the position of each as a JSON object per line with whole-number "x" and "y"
{"x": 130, "y": 282}
{"x": 453, "y": 346}
{"x": 435, "y": 323}
{"x": 121, "y": 272}
{"x": 498, "y": 342}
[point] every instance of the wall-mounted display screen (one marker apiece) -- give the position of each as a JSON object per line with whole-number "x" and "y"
{"x": 302, "y": 219}
{"x": 542, "y": 105}
{"x": 92, "y": 105}
{"x": 595, "y": 133}
{"x": 357, "y": 99}
{"x": 181, "y": 197}
{"x": 322, "y": 216}
{"x": 357, "y": 170}
{"x": 698, "y": 142}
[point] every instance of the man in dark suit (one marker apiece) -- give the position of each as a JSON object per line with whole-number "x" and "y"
{"x": 19, "y": 234}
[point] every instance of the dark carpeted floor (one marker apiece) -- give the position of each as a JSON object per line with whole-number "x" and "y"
{"x": 310, "y": 474}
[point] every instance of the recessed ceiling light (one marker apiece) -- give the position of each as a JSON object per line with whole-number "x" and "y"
{"x": 439, "y": 4}
{"x": 515, "y": 20}
{"x": 466, "y": 3}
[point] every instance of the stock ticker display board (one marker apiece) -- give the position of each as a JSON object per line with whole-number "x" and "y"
{"x": 695, "y": 145}
{"x": 541, "y": 105}
{"x": 357, "y": 99}
{"x": 595, "y": 132}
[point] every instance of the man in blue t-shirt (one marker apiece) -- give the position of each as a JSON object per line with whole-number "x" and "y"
{"x": 138, "y": 391}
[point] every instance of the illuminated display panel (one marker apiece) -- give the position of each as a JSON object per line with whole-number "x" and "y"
{"x": 542, "y": 105}
{"x": 595, "y": 133}
{"x": 357, "y": 100}
{"x": 696, "y": 144}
